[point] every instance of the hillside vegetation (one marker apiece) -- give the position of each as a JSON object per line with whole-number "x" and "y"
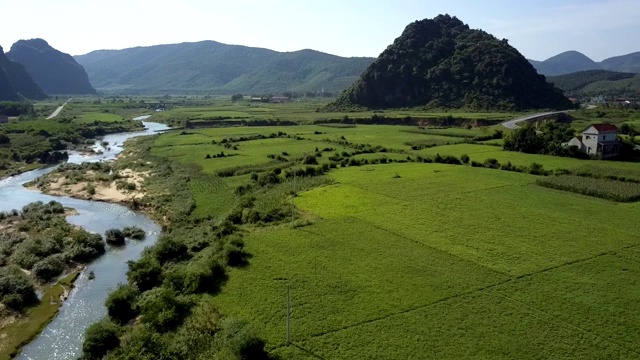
{"x": 54, "y": 71}
{"x": 444, "y": 63}
{"x": 598, "y": 82}
{"x": 212, "y": 67}
{"x": 15, "y": 83}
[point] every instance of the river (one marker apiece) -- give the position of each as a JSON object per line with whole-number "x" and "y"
{"x": 62, "y": 338}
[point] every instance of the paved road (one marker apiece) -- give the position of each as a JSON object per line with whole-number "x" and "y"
{"x": 513, "y": 124}
{"x": 57, "y": 112}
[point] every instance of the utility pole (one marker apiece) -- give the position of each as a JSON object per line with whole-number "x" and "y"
{"x": 288, "y": 314}
{"x": 293, "y": 196}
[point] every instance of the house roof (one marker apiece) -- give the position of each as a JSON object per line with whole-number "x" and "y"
{"x": 603, "y": 128}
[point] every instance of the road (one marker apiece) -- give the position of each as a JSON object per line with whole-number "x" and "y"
{"x": 57, "y": 112}
{"x": 513, "y": 124}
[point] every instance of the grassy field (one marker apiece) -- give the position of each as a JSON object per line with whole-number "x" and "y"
{"x": 430, "y": 265}
{"x": 301, "y": 111}
{"x": 404, "y": 259}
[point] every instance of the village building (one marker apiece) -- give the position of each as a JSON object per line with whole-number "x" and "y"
{"x": 598, "y": 140}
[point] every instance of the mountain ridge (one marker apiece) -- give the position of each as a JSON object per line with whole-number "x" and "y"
{"x": 211, "y": 66}
{"x": 15, "y": 82}
{"x": 54, "y": 71}
{"x": 574, "y": 61}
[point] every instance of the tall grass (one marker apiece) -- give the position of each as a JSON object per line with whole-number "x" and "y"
{"x": 602, "y": 188}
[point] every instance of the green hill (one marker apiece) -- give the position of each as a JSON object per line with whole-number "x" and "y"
{"x": 596, "y": 82}
{"x": 624, "y": 63}
{"x": 54, "y": 71}
{"x": 15, "y": 82}
{"x": 565, "y": 63}
{"x": 213, "y": 67}
{"x": 444, "y": 63}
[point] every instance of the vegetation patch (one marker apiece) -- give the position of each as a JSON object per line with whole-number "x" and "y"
{"x": 602, "y": 188}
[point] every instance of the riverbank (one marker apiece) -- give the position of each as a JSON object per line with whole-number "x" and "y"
{"x": 16, "y": 332}
{"x": 107, "y": 184}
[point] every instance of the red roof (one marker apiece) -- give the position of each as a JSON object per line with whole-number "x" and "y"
{"x": 605, "y": 127}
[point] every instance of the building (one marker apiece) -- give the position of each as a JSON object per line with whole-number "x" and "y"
{"x": 598, "y": 140}
{"x": 4, "y": 119}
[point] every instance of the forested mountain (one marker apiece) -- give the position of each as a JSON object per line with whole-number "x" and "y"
{"x": 444, "y": 63}
{"x": 594, "y": 82}
{"x": 54, "y": 71}
{"x": 213, "y": 67}
{"x": 15, "y": 82}
{"x": 565, "y": 63}
{"x": 573, "y": 61}
{"x": 624, "y": 63}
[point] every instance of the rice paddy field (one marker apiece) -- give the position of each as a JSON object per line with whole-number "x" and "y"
{"x": 301, "y": 111}
{"x": 412, "y": 260}
{"x": 432, "y": 265}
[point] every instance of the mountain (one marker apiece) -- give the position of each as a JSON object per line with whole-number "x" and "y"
{"x": 625, "y": 63}
{"x": 55, "y": 71}
{"x": 15, "y": 82}
{"x": 210, "y": 66}
{"x": 444, "y": 63}
{"x": 565, "y": 63}
{"x": 598, "y": 82}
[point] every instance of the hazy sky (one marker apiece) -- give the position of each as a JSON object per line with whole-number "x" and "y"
{"x": 537, "y": 28}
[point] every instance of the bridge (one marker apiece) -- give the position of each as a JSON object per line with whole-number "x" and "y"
{"x": 513, "y": 124}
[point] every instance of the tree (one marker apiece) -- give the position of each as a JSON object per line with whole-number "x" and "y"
{"x": 161, "y": 309}
{"x": 16, "y": 290}
{"x": 114, "y": 236}
{"x": 99, "y": 339}
{"x": 237, "y": 97}
{"x": 121, "y": 304}
{"x": 145, "y": 273}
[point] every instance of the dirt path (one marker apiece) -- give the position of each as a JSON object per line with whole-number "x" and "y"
{"x": 58, "y": 110}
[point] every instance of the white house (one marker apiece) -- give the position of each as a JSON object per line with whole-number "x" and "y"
{"x": 599, "y": 140}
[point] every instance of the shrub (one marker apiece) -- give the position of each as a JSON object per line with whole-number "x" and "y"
{"x": 134, "y": 232}
{"x": 48, "y": 268}
{"x": 145, "y": 273}
{"x": 121, "y": 304}
{"x": 161, "y": 309}
{"x": 16, "y": 290}
{"x": 492, "y": 163}
{"x": 464, "y": 158}
{"x": 100, "y": 338}
{"x": 168, "y": 249}
{"x": 114, "y": 236}
{"x": 537, "y": 169}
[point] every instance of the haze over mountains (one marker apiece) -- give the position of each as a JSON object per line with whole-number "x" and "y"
{"x": 573, "y": 61}
{"x": 213, "y": 67}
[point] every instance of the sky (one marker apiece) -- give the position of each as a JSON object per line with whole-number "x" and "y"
{"x": 539, "y": 29}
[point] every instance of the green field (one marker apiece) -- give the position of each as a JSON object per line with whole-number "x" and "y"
{"x": 299, "y": 111}
{"x": 386, "y": 253}
{"x": 431, "y": 264}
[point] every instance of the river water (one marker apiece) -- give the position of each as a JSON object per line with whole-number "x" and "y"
{"x": 62, "y": 338}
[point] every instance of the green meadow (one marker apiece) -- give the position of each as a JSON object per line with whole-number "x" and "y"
{"x": 418, "y": 260}
{"x": 391, "y": 242}
{"x": 432, "y": 261}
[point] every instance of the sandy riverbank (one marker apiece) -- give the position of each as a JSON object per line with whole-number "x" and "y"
{"x": 127, "y": 186}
